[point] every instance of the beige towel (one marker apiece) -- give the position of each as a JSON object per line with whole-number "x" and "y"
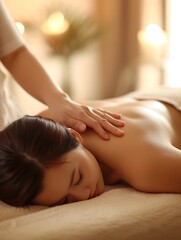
{"x": 164, "y": 94}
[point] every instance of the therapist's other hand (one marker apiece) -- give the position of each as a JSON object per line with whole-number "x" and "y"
{"x": 79, "y": 117}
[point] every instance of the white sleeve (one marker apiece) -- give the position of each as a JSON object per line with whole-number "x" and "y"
{"x": 10, "y": 38}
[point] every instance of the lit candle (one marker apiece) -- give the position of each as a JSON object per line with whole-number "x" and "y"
{"x": 152, "y": 41}
{"x": 55, "y": 30}
{"x": 55, "y": 24}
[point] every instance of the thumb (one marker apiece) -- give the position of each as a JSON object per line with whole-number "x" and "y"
{"x": 76, "y": 125}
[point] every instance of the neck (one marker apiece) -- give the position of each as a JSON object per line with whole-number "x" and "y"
{"x": 102, "y": 152}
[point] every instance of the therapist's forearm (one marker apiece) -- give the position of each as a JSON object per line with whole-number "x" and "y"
{"x": 29, "y": 73}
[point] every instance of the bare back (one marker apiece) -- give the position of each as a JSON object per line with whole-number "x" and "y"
{"x": 152, "y": 140}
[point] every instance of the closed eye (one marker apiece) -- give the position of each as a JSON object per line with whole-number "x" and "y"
{"x": 65, "y": 200}
{"x": 60, "y": 202}
{"x": 80, "y": 178}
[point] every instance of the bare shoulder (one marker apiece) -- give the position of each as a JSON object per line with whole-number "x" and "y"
{"x": 109, "y": 104}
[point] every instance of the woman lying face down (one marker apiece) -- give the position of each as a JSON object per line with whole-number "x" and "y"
{"x": 45, "y": 163}
{"x": 42, "y": 162}
{"x": 76, "y": 175}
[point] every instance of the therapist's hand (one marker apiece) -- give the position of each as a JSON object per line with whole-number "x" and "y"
{"x": 79, "y": 117}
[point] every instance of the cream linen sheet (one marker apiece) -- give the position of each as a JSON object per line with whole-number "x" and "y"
{"x": 121, "y": 213}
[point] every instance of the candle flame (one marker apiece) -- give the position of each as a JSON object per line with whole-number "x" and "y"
{"x": 153, "y": 34}
{"x": 55, "y": 24}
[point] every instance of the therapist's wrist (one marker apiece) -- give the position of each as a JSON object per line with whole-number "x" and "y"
{"x": 57, "y": 98}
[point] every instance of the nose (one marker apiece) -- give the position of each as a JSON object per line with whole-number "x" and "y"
{"x": 78, "y": 194}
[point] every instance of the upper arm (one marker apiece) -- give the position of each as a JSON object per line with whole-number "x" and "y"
{"x": 9, "y": 59}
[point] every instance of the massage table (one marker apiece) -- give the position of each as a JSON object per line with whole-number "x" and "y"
{"x": 121, "y": 213}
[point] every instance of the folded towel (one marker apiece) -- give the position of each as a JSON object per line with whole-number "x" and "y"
{"x": 164, "y": 94}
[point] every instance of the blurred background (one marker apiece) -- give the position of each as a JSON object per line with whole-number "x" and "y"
{"x": 96, "y": 49}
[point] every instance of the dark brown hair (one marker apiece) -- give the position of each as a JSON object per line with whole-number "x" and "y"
{"x": 27, "y": 147}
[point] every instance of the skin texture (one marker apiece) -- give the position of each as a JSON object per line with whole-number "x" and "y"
{"x": 148, "y": 157}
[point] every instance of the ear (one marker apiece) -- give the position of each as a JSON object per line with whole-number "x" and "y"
{"x": 76, "y": 135}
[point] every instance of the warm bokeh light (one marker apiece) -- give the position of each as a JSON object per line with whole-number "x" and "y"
{"x": 152, "y": 42}
{"x": 20, "y": 27}
{"x": 153, "y": 34}
{"x": 55, "y": 24}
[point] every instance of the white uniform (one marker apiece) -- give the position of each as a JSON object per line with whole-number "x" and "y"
{"x": 10, "y": 40}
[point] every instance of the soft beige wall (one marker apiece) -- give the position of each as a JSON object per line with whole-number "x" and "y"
{"x": 151, "y": 12}
{"x": 120, "y": 19}
{"x": 25, "y": 10}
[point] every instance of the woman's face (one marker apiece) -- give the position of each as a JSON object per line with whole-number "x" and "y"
{"x": 77, "y": 178}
